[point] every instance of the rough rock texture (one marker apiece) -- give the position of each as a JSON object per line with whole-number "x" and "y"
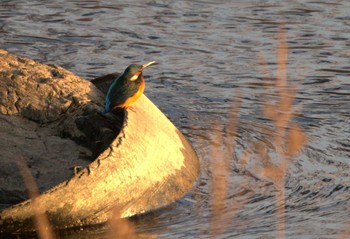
{"x": 48, "y": 116}
{"x": 137, "y": 161}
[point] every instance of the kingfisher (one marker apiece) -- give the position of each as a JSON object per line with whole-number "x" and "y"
{"x": 126, "y": 89}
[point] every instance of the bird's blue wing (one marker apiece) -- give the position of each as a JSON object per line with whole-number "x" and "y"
{"x": 113, "y": 88}
{"x": 119, "y": 91}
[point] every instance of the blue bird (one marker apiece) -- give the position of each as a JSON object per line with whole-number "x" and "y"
{"x": 127, "y": 88}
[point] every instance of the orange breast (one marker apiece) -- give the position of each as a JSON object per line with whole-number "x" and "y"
{"x": 135, "y": 97}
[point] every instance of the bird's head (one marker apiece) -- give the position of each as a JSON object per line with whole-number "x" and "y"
{"x": 134, "y": 71}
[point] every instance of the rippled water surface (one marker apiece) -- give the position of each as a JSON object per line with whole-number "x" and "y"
{"x": 208, "y": 52}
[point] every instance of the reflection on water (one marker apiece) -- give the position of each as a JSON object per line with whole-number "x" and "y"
{"x": 208, "y": 53}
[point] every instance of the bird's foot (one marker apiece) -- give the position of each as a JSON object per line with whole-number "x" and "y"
{"x": 131, "y": 108}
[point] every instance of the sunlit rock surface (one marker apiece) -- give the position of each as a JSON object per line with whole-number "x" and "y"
{"x": 52, "y": 119}
{"x": 39, "y": 107}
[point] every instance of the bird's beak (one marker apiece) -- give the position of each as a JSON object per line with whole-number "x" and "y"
{"x": 148, "y": 64}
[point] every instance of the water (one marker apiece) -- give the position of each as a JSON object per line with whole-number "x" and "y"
{"x": 208, "y": 52}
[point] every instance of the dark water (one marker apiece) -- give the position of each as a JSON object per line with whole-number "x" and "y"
{"x": 208, "y": 52}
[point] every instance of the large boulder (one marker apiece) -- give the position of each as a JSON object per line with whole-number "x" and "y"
{"x": 135, "y": 161}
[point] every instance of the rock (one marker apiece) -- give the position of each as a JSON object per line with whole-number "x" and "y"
{"x": 135, "y": 161}
{"x": 39, "y": 105}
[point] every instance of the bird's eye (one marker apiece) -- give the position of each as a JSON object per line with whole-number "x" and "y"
{"x": 135, "y": 76}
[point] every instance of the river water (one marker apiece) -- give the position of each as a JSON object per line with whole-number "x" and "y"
{"x": 208, "y": 53}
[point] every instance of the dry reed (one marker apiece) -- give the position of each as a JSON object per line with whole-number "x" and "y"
{"x": 120, "y": 228}
{"x": 345, "y": 232}
{"x": 286, "y": 136}
{"x": 222, "y": 149}
{"x": 42, "y": 223}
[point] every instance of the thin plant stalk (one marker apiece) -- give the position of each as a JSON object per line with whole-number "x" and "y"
{"x": 43, "y": 226}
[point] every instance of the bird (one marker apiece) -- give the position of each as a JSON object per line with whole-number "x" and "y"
{"x": 126, "y": 89}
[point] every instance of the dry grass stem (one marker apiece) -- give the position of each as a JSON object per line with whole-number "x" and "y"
{"x": 120, "y": 228}
{"x": 288, "y": 139}
{"x": 223, "y": 145}
{"x": 42, "y": 222}
{"x": 282, "y": 58}
{"x": 219, "y": 184}
{"x": 345, "y": 232}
